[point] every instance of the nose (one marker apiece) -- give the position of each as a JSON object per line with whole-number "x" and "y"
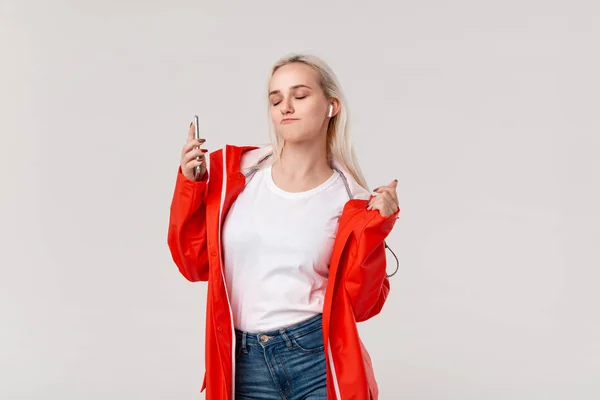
{"x": 286, "y": 108}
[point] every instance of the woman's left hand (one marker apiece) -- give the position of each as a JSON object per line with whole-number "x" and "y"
{"x": 386, "y": 200}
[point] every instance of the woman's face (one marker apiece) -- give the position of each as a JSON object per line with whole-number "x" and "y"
{"x": 295, "y": 96}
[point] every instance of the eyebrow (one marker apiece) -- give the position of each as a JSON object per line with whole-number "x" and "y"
{"x": 293, "y": 87}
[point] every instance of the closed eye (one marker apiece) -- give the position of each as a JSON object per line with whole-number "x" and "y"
{"x": 297, "y": 98}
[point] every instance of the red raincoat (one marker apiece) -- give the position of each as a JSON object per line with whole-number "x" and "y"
{"x": 357, "y": 284}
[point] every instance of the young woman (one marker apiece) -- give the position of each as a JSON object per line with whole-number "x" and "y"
{"x": 291, "y": 243}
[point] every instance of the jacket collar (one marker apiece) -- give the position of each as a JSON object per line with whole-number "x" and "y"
{"x": 252, "y": 156}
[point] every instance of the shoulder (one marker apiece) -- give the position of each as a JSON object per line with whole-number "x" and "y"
{"x": 243, "y": 157}
{"x": 361, "y": 193}
{"x": 250, "y": 156}
{"x": 247, "y": 157}
{"x": 354, "y": 189}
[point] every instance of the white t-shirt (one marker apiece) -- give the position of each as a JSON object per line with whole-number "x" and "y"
{"x": 277, "y": 246}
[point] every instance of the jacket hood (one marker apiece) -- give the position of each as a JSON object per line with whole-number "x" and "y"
{"x": 251, "y": 158}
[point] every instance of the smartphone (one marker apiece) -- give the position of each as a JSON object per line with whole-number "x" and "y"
{"x": 196, "y": 136}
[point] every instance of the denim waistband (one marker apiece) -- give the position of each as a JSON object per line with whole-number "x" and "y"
{"x": 280, "y": 335}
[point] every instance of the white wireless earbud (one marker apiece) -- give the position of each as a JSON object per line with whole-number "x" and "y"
{"x": 330, "y": 110}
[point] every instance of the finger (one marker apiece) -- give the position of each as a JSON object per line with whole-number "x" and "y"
{"x": 394, "y": 186}
{"x": 194, "y": 154}
{"x": 390, "y": 185}
{"x": 383, "y": 210}
{"x": 389, "y": 188}
{"x": 393, "y": 198}
{"x": 191, "y": 131}
{"x": 391, "y": 191}
{"x": 388, "y": 207}
{"x": 385, "y": 189}
{"x": 375, "y": 203}
{"x": 193, "y": 164}
{"x": 392, "y": 206}
{"x": 386, "y": 197}
{"x": 390, "y": 210}
{"x": 189, "y": 146}
{"x": 384, "y": 205}
{"x": 378, "y": 198}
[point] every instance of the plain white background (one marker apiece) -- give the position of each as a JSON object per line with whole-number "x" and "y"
{"x": 486, "y": 112}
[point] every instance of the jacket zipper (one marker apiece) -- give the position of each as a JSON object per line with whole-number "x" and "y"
{"x": 233, "y": 340}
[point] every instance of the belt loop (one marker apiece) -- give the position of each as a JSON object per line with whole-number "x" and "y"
{"x": 288, "y": 342}
{"x": 244, "y": 348}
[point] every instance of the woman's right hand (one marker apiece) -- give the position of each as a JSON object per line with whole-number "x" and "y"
{"x": 189, "y": 154}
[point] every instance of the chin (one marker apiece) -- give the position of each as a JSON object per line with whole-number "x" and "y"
{"x": 293, "y": 136}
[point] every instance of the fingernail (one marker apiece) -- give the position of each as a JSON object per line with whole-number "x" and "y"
{"x": 191, "y": 123}
{"x": 395, "y": 180}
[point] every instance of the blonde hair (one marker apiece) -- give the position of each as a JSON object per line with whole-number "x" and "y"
{"x": 339, "y": 143}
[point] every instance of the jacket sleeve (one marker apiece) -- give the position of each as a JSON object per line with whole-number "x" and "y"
{"x": 365, "y": 280}
{"x": 187, "y": 228}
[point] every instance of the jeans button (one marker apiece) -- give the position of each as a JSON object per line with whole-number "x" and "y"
{"x": 264, "y": 338}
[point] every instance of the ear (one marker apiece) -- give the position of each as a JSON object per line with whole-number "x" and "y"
{"x": 336, "y": 106}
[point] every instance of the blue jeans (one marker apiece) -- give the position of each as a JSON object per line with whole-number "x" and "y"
{"x": 284, "y": 364}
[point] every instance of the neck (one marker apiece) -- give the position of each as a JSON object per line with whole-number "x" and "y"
{"x": 303, "y": 163}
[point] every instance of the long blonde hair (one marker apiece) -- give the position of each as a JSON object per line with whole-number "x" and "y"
{"x": 339, "y": 143}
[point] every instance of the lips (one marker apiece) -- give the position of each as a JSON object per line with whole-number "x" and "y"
{"x": 288, "y": 120}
